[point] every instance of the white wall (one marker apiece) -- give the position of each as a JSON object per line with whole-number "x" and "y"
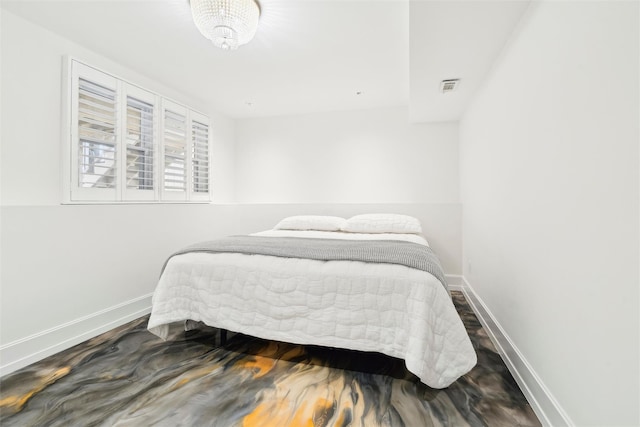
{"x": 223, "y": 173}
{"x": 349, "y": 162}
{"x": 63, "y": 263}
{"x": 367, "y": 160}
{"x": 549, "y": 177}
{"x": 346, "y": 157}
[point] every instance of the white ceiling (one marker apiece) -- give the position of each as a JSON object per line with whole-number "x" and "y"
{"x": 307, "y": 56}
{"x": 455, "y": 39}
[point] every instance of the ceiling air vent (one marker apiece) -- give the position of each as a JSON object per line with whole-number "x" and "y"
{"x": 447, "y": 86}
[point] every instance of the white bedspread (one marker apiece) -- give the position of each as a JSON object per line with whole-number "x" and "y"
{"x": 391, "y": 309}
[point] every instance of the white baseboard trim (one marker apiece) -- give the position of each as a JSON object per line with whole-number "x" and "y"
{"x": 25, "y": 351}
{"x": 454, "y": 282}
{"x": 538, "y": 395}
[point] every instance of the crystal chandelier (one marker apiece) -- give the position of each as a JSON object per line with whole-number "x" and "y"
{"x": 227, "y": 23}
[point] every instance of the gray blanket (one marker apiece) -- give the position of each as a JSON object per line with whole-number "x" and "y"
{"x": 377, "y": 251}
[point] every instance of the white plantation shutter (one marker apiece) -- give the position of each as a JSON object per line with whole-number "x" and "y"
{"x": 97, "y": 113}
{"x": 140, "y": 141}
{"x": 175, "y": 151}
{"x": 127, "y": 144}
{"x": 200, "y": 164}
{"x": 94, "y": 121}
{"x": 139, "y": 145}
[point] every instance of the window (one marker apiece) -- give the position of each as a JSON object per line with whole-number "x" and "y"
{"x": 200, "y": 156}
{"x": 127, "y": 144}
{"x": 97, "y": 135}
{"x": 140, "y": 145}
{"x": 175, "y": 151}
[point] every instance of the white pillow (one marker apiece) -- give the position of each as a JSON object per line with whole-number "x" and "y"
{"x": 311, "y": 222}
{"x": 382, "y": 223}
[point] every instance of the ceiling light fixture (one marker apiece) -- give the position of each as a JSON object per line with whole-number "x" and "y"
{"x": 227, "y": 23}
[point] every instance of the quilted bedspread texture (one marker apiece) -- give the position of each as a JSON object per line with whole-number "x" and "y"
{"x": 391, "y": 309}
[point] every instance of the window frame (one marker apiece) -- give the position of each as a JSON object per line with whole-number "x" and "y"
{"x": 73, "y": 193}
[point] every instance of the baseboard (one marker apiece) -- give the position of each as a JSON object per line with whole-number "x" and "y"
{"x": 23, "y": 352}
{"x": 538, "y": 395}
{"x": 454, "y": 282}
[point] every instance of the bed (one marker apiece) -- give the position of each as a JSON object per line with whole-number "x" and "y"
{"x": 369, "y": 283}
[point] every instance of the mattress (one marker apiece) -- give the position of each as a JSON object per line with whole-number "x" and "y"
{"x": 413, "y": 238}
{"x": 387, "y": 308}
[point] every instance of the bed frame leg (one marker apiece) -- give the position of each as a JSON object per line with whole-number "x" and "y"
{"x": 223, "y": 336}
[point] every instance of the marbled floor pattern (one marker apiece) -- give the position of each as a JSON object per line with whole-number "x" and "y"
{"x": 129, "y": 377}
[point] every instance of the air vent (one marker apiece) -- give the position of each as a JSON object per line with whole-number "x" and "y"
{"x": 447, "y": 86}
